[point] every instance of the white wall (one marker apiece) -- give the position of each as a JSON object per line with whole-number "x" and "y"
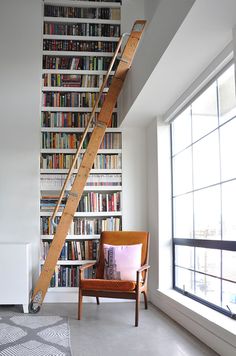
{"x": 152, "y": 203}
{"x": 159, "y": 205}
{"x": 131, "y": 10}
{"x": 167, "y": 18}
{"x": 134, "y": 179}
{"x": 20, "y": 63}
{"x": 150, "y": 7}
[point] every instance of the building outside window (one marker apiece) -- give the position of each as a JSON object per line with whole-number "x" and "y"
{"x": 203, "y": 140}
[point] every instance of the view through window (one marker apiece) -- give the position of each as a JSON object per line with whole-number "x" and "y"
{"x": 203, "y": 141}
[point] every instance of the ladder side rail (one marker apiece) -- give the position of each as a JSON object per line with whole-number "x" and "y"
{"x": 69, "y": 174}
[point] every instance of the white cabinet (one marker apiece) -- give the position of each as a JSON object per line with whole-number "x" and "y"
{"x": 15, "y": 274}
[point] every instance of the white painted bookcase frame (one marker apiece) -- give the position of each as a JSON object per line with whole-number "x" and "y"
{"x": 69, "y": 294}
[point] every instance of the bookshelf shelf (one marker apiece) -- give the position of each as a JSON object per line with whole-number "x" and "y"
{"x": 73, "y": 237}
{"x": 95, "y": 4}
{"x": 63, "y": 289}
{"x": 73, "y": 71}
{"x": 69, "y": 109}
{"x": 70, "y": 262}
{"x": 73, "y": 89}
{"x": 108, "y": 188}
{"x": 72, "y": 151}
{"x": 93, "y": 171}
{"x": 87, "y": 214}
{"x": 79, "y": 38}
{"x": 73, "y": 129}
{"x": 77, "y": 54}
{"x": 80, "y": 20}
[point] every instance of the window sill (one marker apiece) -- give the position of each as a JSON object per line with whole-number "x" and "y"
{"x": 215, "y": 329}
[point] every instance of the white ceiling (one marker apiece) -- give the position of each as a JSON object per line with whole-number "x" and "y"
{"x": 204, "y": 33}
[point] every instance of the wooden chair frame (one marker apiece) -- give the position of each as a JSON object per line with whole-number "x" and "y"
{"x": 141, "y": 287}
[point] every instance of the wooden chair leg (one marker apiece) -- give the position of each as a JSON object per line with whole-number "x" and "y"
{"x": 137, "y": 308}
{"x": 80, "y": 302}
{"x": 145, "y": 299}
{"x": 97, "y": 300}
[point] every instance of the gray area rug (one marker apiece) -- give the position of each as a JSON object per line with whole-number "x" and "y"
{"x": 32, "y": 335}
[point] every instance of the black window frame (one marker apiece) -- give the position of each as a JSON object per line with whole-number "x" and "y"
{"x": 222, "y": 245}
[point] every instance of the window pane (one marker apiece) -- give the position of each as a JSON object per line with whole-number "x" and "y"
{"x": 204, "y": 113}
{"x": 204, "y": 194}
{"x": 183, "y": 216}
{"x": 184, "y": 279}
{"x": 226, "y": 90}
{"x": 228, "y": 211}
{"x": 208, "y": 288}
{"x": 229, "y": 265}
{"x": 207, "y": 213}
{"x": 206, "y": 165}
{"x": 182, "y": 172}
{"x": 229, "y": 296}
{"x": 208, "y": 261}
{"x": 184, "y": 256}
{"x": 228, "y": 149}
{"x": 181, "y": 131}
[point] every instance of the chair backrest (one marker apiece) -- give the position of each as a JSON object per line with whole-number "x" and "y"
{"x": 122, "y": 238}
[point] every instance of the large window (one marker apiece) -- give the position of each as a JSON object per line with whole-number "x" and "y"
{"x": 204, "y": 196}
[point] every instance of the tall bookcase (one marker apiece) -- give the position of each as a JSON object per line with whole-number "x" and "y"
{"x": 79, "y": 38}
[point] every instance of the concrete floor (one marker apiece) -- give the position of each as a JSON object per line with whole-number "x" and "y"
{"x": 108, "y": 330}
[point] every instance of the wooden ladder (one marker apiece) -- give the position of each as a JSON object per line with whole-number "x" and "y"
{"x": 81, "y": 177}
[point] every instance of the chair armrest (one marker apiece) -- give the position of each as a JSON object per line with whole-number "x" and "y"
{"x": 143, "y": 268}
{"x": 86, "y": 265}
{"x": 83, "y": 268}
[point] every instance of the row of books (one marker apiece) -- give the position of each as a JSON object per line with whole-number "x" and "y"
{"x": 61, "y": 99}
{"x": 82, "y": 226}
{"x": 56, "y": 181}
{"x": 82, "y": 29}
{"x": 77, "y": 63}
{"x": 48, "y": 203}
{"x": 85, "y": 46}
{"x": 70, "y": 119}
{"x": 111, "y": 180}
{"x": 74, "y": 80}
{"x": 77, "y": 12}
{"x": 89, "y": 202}
{"x": 111, "y": 140}
{"x": 63, "y": 140}
{"x": 68, "y": 276}
{"x": 74, "y": 250}
{"x": 103, "y": 161}
{"x": 58, "y": 161}
{"x": 64, "y": 161}
{"x": 100, "y": 202}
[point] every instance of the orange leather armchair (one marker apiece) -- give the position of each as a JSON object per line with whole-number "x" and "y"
{"x": 100, "y": 287}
